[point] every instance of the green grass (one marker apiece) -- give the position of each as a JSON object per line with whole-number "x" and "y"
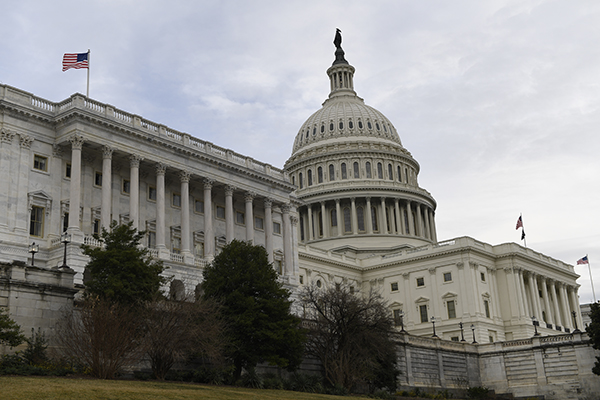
{"x": 33, "y": 388}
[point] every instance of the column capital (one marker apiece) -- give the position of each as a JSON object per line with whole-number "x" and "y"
{"x": 77, "y": 141}
{"x": 396, "y": 201}
{"x": 460, "y": 265}
{"x": 473, "y": 264}
{"x": 25, "y": 141}
{"x": 268, "y": 203}
{"x": 294, "y": 220}
{"x": 368, "y": 199}
{"x": 229, "y": 189}
{"x": 285, "y": 208}
{"x": 322, "y": 202}
{"x": 208, "y": 183}
{"x": 337, "y": 201}
{"x": 7, "y": 136}
{"x": 249, "y": 196}
{"x": 161, "y": 169}
{"x": 431, "y": 271}
{"x": 57, "y": 150}
{"x": 107, "y": 152}
{"x": 134, "y": 160}
{"x": 184, "y": 176}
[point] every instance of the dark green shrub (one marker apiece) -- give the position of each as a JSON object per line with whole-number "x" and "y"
{"x": 37, "y": 344}
{"x": 251, "y": 379}
{"x": 478, "y": 392}
{"x": 272, "y": 381}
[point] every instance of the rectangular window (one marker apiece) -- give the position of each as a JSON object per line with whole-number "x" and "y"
{"x": 333, "y": 217}
{"x": 278, "y": 266}
{"x": 96, "y": 227}
{"x": 491, "y": 338}
{"x": 482, "y": 277}
{"x": 151, "y": 193}
{"x": 176, "y": 198}
{"x": 199, "y": 249}
{"x": 176, "y": 245}
{"x": 220, "y": 212}
{"x": 259, "y": 223}
{"x": 448, "y": 277}
{"x": 420, "y": 282}
{"x": 68, "y": 170}
{"x": 98, "y": 178}
{"x": 240, "y": 218}
{"x": 486, "y": 305}
{"x": 451, "y": 305}
{"x": 301, "y": 279}
{"x": 126, "y": 187}
{"x": 394, "y": 286}
{"x": 454, "y": 338}
{"x": 40, "y": 163}
{"x": 151, "y": 239}
{"x": 199, "y": 206}
{"x": 423, "y": 313}
{"x": 65, "y": 221}
{"x": 397, "y": 314}
{"x": 277, "y": 228}
{"x": 36, "y": 224}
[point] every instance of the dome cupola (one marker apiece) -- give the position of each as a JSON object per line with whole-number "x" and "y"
{"x": 358, "y": 183}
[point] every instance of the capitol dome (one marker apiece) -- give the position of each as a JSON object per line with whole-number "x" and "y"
{"x": 356, "y": 182}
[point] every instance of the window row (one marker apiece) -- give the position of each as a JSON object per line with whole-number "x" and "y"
{"x": 377, "y": 126}
{"x": 451, "y": 311}
{"x": 368, "y": 173}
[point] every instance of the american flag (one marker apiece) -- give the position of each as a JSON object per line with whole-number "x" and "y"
{"x": 583, "y": 260}
{"x": 75, "y": 60}
{"x": 519, "y": 223}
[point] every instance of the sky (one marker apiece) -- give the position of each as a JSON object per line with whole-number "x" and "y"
{"x": 498, "y": 100}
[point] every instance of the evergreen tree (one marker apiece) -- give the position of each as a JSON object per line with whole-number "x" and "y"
{"x": 10, "y": 331}
{"x": 593, "y": 330}
{"x": 255, "y": 307}
{"x": 121, "y": 271}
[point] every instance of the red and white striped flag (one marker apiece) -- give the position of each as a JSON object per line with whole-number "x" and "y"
{"x": 75, "y": 60}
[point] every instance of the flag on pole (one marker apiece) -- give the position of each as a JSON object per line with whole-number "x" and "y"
{"x": 523, "y": 235}
{"x": 75, "y": 60}
{"x": 583, "y": 260}
{"x": 520, "y": 223}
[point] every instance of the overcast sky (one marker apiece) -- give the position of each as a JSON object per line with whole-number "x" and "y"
{"x": 499, "y": 101}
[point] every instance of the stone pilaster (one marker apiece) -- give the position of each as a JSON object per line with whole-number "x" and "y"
{"x": 229, "y": 217}
{"x": 248, "y": 198}
{"x": 134, "y": 190}
{"x": 268, "y": 204}
{"x": 75, "y": 188}
{"x": 209, "y": 236}
{"x": 106, "y": 207}
{"x": 186, "y": 236}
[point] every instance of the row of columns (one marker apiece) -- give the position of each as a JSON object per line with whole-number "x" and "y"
{"x": 77, "y": 142}
{"x": 424, "y": 226}
{"x": 557, "y": 303}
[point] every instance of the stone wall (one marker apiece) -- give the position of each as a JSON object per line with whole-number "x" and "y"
{"x": 556, "y": 367}
{"x": 35, "y": 297}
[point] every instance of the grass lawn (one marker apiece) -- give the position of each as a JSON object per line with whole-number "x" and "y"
{"x": 33, "y": 388}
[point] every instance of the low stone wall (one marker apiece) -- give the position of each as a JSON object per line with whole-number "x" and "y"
{"x": 35, "y": 297}
{"x": 556, "y": 367}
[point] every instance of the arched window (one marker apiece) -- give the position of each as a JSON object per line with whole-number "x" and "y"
{"x": 399, "y": 174}
{"x": 368, "y": 169}
{"x": 360, "y": 216}
{"x": 309, "y": 175}
{"x": 293, "y": 180}
{"x": 331, "y": 172}
{"x": 314, "y": 130}
{"x": 300, "y": 180}
{"x": 374, "y": 218}
{"x": 347, "y": 220}
{"x": 369, "y": 125}
{"x": 320, "y": 224}
{"x": 356, "y": 174}
{"x": 379, "y": 170}
{"x": 301, "y": 220}
{"x": 344, "y": 172}
{"x": 341, "y": 125}
{"x": 360, "y": 125}
{"x": 390, "y": 172}
{"x": 406, "y": 175}
{"x": 322, "y": 128}
{"x": 320, "y": 174}
{"x": 334, "y": 217}
{"x": 350, "y": 124}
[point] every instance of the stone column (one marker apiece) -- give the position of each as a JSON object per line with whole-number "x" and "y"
{"x": 106, "y": 207}
{"x": 248, "y": 197}
{"x": 406, "y": 306}
{"x": 209, "y": 237}
{"x": 535, "y": 303}
{"x": 419, "y": 221}
{"x": 354, "y": 217}
{"x": 75, "y": 194}
{"x": 473, "y": 269}
{"x": 369, "y": 217}
{"x": 522, "y": 300}
{"x": 557, "y": 317}
{"x": 269, "y": 228}
{"x": 287, "y": 240}
{"x": 513, "y": 294}
{"x": 549, "y": 319}
{"x": 576, "y": 308}
{"x": 6, "y": 138}
{"x": 294, "y": 249}
{"x": 384, "y": 227}
{"x": 311, "y": 232}
{"x": 229, "y": 218}
{"x": 402, "y": 221}
{"x": 411, "y": 222}
{"x": 23, "y": 166}
{"x": 397, "y": 218}
{"x": 337, "y": 217}
{"x": 134, "y": 190}
{"x": 436, "y": 299}
{"x": 186, "y": 235}
{"x": 427, "y": 226}
{"x": 433, "y": 230}
{"x": 324, "y": 219}
{"x": 568, "y": 320}
{"x": 494, "y": 289}
{"x": 161, "y": 169}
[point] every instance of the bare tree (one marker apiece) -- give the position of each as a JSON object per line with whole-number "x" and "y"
{"x": 177, "y": 329}
{"x": 352, "y": 336}
{"x": 102, "y": 336}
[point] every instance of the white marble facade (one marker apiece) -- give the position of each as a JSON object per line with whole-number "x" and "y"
{"x": 347, "y": 208}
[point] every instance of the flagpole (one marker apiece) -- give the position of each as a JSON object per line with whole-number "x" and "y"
{"x": 88, "y": 76}
{"x": 523, "y": 230}
{"x": 591, "y": 280}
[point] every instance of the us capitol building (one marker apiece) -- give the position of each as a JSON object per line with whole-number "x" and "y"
{"x": 346, "y": 208}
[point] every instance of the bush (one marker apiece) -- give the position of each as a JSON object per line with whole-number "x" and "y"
{"x": 252, "y": 380}
{"x": 478, "y": 392}
{"x": 37, "y": 344}
{"x": 272, "y": 381}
